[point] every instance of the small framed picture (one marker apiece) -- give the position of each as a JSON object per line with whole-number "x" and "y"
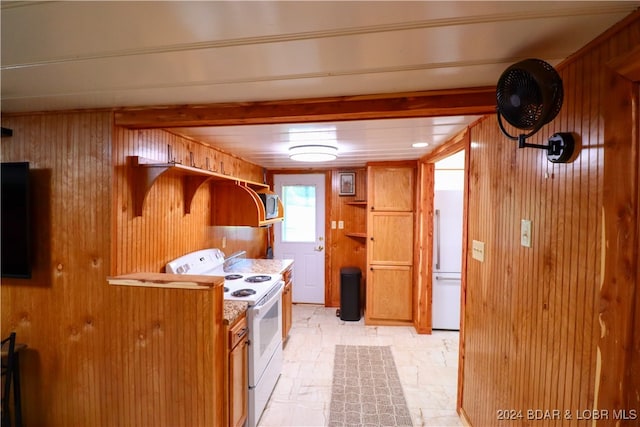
{"x": 347, "y": 184}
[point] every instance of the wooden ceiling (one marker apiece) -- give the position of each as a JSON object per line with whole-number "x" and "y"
{"x": 75, "y": 55}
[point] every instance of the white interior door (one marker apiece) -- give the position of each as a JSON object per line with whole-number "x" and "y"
{"x": 301, "y": 235}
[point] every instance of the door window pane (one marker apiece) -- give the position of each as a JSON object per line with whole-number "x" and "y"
{"x": 299, "y": 223}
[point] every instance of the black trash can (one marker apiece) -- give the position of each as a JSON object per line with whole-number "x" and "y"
{"x": 350, "y": 293}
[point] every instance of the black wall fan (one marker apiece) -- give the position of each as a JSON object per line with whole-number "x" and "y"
{"x": 529, "y": 95}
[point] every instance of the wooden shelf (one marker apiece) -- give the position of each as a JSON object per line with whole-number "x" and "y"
{"x": 239, "y": 205}
{"x": 164, "y": 280}
{"x": 362, "y": 204}
{"x": 147, "y": 171}
{"x": 356, "y": 235}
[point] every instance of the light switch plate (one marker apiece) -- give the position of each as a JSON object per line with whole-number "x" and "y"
{"x": 333, "y": 225}
{"x": 340, "y": 225}
{"x": 525, "y": 233}
{"x": 477, "y": 250}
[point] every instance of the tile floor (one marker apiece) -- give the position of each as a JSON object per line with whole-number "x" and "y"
{"x": 427, "y": 366}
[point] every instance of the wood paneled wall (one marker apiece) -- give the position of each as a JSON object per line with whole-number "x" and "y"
{"x": 101, "y": 355}
{"x": 423, "y": 249}
{"x": 164, "y": 232}
{"x": 550, "y": 327}
{"x": 346, "y": 251}
{"x": 61, "y": 312}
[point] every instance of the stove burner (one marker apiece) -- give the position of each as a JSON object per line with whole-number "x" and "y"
{"x": 226, "y": 289}
{"x": 233, "y": 276}
{"x": 256, "y": 279}
{"x": 243, "y": 293}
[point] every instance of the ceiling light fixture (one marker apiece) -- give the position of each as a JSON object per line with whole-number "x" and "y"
{"x": 420, "y": 144}
{"x": 313, "y": 153}
{"x": 313, "y": 145}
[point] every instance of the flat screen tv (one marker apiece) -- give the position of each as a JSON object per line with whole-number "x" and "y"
{"x": 15, "y": 219}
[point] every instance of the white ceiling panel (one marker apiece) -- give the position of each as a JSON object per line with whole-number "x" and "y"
{"x": 92, "y": 54}
{"x": 358, "y": 141}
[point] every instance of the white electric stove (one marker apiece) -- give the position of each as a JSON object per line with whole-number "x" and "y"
{"x": 249, "y": 287}
{"x": 264, "y": 318}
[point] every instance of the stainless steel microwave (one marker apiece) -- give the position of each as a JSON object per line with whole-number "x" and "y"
{"x": 270, "y": 202}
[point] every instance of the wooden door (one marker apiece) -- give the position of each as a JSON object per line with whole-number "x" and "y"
{"x": 391, "y": 188}
{"x": 390, "y": 245}
{"x": 390, "y": 238}
{"x": 389, "y": 295}
{"x": 301, "y": 235}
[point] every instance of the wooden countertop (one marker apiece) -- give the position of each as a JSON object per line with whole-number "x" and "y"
{"x": 231, "y": 309}
{"x": 165, "y": 280}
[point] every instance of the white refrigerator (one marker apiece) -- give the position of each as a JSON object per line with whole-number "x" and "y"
{"x": 447, "y": 259}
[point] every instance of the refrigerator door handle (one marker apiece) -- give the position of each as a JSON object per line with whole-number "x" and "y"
{"x": 457, "y": 279}
{"x": 437, "y": 213}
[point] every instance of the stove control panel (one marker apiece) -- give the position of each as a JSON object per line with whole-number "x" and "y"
{"x": 196, "y": 262}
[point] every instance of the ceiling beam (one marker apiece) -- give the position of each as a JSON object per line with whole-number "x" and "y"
{"x": 435, "y": 103}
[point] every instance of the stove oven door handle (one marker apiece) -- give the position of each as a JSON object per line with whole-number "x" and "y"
{"x": 268, "y": 301}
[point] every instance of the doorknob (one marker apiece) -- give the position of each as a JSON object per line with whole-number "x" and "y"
{"x": 319, "y": 248}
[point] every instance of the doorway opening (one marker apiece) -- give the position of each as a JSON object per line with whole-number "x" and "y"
{"x": 448, "y": 200}
{"x": 301, "y": 236}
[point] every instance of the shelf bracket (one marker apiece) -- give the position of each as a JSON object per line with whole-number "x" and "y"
{"x": 191, "y": 185}
{"x": 145, "y": 176}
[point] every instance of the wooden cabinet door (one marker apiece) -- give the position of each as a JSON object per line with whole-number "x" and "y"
{"x": 390, "y": 238}
{"x": 286, "y": 310}
{"x": 391, "y": 188}
{"x": 238, "y": 382}
{"x": 237, "y": 373}
{"x": 390, "y": 244}
{"x": 389, "y": 295}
